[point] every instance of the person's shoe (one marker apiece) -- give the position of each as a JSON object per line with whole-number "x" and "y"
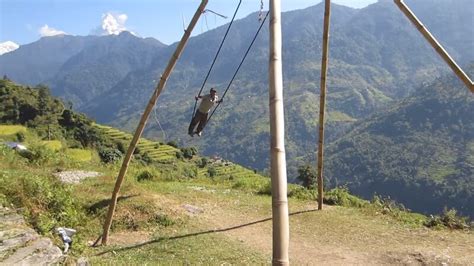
{"x": 199, "y": 134}
{"x": 191, "y": 134}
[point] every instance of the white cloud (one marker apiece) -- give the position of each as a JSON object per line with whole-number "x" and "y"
{"x": 48, "y": 31}
{"x": 112, "y": 23}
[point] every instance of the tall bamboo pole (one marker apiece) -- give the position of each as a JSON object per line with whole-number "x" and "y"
{"x": 435, "y": 44}
{"x": 138, "y": 132}
{"x": 281, "y": 232}
{"x": 322, "y": 100}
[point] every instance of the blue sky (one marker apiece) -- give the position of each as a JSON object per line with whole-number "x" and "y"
{"x": 25, "y": 21}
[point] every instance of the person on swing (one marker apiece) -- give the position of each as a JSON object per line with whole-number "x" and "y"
{"x": 200, "y": 118}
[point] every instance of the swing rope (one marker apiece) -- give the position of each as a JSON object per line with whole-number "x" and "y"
{"x": 238, "y": 68}
{"x": 215, "y": 58}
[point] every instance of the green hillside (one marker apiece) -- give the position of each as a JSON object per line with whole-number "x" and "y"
{"x": 177, "y": 207}
{"x": 419, "y": 152}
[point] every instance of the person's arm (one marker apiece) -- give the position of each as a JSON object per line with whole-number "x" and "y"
{"x": 198, "y": 97}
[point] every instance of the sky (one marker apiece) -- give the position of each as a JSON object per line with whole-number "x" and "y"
{"x": 25, "y": 21}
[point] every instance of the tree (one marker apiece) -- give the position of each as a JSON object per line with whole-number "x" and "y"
{"x": 307, "y": 175}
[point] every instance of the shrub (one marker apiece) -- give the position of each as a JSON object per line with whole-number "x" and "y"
{"x": 203, "y": 163}
{"x": 146, "y": 175}
{"x": 121, "y": 147}
{"x": 52, "y": 205}
{"x": 109, "y": 155}
{"x": 173, "y": 144}
{"x": 39, "y": 154}
{"x": 341, "y": 196}
{"x": 161, "y": 219}
{"x": 20, "y": 136}
{"x": 212, "y": 171}
{"x": 300, "y": 192}
{"x": 188, "y": 153}
{"x": 448, "y": 218}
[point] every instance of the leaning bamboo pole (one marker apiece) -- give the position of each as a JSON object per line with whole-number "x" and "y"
{"x": 138, "y": 132}
{"x": 435, "y": 44}
{"x": 322, "y": 100}
{"x": 281, "y": 233}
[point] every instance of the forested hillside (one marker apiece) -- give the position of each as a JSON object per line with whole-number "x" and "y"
{"x": 420, "y": 152}
{"x": 376, "y": 58}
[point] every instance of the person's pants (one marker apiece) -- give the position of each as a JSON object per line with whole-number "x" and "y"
{"x": 199, "y": 119}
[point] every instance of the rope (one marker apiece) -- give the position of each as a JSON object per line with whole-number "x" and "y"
{"x": 241, "y": 62}
{"x": 158, "y": 122}
{"x": 215, "y": 57}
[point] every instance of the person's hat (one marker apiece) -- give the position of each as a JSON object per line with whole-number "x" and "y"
{"x": 213, "y": 90}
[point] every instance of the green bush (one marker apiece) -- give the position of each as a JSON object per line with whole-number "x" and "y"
{"x": 161, "y": 219}
{"x": 449, "y": 218}
{"x": 341, "y": 196}
{"x": 20, "y": 136}
{"x": 53, "y": 204}
{"x": 188, "y": 153}
{"x": 212, "y": 171}
{"x": 109, "y": 155}
{"x": 300, "y": 192}
{"x": 146, "y": 175}
{"x": 39, "y": 154}
{"x": 203, "y": 163}
{"x": 173, "y": 144}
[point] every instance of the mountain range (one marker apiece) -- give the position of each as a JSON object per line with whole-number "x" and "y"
{"x": 376, "y": 59}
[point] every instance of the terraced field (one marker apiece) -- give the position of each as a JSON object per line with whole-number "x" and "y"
{"x": 159, "y": 152}
{"x": 155, "y": 150}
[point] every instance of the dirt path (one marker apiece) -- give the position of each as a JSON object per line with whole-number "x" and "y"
{"x": 334, "y": 236}
{"x": 339, "y": 236}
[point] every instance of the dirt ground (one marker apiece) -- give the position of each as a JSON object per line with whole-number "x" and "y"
{"x": 333, "y": 236}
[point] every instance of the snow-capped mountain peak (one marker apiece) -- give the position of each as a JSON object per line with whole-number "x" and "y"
{"x": 8, "y": 46}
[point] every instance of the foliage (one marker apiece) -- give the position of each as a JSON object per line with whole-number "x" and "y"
{"x": 39, "y": 154}
{"x": 52, "y": 205}
{"x": 307, "y": 176}
{"x": 109, "y": 155}
{"x": 449, "y": 218}
{"x": 211, "y": 171}
{"x": 189, "y": 152}
{"x": 173, "y": 144}
{"x": 147, "y": 175}
{"x": 341, "y": 196}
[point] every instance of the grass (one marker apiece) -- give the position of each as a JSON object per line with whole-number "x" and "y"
{"x": 6, "y": 130}
{"x": 54, "y": 145}
{"x": 79, "y": 155}
{"x": 232, "y": 224}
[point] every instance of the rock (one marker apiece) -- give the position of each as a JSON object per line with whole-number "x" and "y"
{"x": 21, "y": 245}
{"x": 74, "y": 177}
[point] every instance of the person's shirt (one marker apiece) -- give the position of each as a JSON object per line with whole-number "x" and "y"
{"x": 207, "y": 101}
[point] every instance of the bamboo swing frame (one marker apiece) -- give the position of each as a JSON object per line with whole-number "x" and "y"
{"x": 277, "y": 146}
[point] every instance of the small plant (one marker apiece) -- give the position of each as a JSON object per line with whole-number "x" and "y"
{"x": 162, "y": 220}
{"x": 203, "y": 163}
{"x": 20, "y": 136}
{"x": 449, "y": 218}
{"x": 109, "y": 155}
{"x": 173, "y": 144}
{"x": 146, "y": 175}
{"x": 341, "y": 196}
{"x": 212, "y": 171}
{"x": 188, "y": 153}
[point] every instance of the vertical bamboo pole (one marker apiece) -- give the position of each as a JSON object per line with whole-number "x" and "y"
{"x": 435, "y": 44}
{"x": 281, "y": 232}
{"x": 322, "y": 100}
{"x": 138, "y": 132}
